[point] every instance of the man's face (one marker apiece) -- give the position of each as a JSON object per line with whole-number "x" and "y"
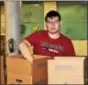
{"x": 53, "y": 25}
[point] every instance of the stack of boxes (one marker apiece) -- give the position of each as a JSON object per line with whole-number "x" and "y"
{"x": 45, "y": 70}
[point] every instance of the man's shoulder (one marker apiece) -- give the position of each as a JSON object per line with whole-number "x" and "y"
{"x": 37, "y": 33}
{"x": 64, "y": 37}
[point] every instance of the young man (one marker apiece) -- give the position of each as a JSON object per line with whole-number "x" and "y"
{"x": 48, "y": 42}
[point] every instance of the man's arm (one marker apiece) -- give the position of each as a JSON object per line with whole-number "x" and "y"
{"x": 26, "y": 50}
{"x": 70, "y": 49}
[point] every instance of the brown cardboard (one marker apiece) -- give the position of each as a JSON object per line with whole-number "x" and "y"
{"x": 2, "y": 71}
{"x": 21, "y": 69}
{"x": 66, "y": 70}
{"x": 18, "y": 78}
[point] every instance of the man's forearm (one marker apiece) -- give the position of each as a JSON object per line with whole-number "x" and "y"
{"x": 26, "y": 51}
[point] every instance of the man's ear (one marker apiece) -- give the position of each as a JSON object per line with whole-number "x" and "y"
{"x": 45, "y": 26}
{"x": 60, "y": 23}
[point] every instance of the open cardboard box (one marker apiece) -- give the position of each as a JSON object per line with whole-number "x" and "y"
{"x": 20, "y": 71}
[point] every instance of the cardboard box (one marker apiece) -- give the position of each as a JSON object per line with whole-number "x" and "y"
{"x": 2, "y": 71}
{"x": 66, "y": 70}
{"x": 18, "y": 78}
{"x": 19, "y": 70}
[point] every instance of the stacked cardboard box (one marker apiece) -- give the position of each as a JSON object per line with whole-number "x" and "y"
{"x": 20, "y": 71}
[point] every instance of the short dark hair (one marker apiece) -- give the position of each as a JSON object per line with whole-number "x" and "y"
{"x": 51, "y": 14}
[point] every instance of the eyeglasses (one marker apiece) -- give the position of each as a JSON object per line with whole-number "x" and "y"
{"x": 53, "y": 22}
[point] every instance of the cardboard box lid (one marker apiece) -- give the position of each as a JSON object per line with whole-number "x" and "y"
{"x": 40, "y": 56}
{"x": 23, "y": 58}
{"x": 70, "y": 57}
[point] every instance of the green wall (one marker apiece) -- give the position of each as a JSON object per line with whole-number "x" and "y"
{"x": 73, "y": 13}
{"x": 32, "y": 15}
{"x": 74, "y": 19}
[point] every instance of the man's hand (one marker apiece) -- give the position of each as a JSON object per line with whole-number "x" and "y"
{"x": 30, "y": 61}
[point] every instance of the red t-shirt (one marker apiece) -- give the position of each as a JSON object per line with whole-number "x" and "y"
{"x": 44, "y": 45}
